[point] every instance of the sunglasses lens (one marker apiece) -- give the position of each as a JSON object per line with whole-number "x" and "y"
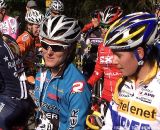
{"x": 55, "y": 48}
{"x": 44, "y": 45}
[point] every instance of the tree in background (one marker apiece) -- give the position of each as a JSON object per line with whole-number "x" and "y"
{"x": 81, "y": 9}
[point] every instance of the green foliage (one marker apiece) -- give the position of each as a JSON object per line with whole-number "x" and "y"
{"x": 81, "y": 9}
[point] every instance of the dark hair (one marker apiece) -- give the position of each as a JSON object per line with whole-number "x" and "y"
{"x": 72, "y": 52}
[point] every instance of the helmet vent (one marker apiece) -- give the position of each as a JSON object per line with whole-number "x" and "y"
{"x": 136, "y": 37}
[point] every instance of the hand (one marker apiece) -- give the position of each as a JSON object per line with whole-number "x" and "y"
{"x": 95, "y": 22}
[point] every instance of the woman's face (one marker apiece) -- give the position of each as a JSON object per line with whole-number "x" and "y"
{"x": 35, "y": 30}
{"x": 54, "y": 55}
{"x": 125, "y": 62}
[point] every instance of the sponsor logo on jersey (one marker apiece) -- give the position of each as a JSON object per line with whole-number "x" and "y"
{"x": 77, "y": 87}
{"x": 138, "y": 110}
{"x": 145, "y": 95}
{"x": 59, "y": 90}
{"x": 52, "y": 96}
{"x": 132, "y": 124}
{"x": 49, "y": 106}
{"x": 73, "y": 119}
{"x": 106, "y": 59}
{"x": 25, "y": 37}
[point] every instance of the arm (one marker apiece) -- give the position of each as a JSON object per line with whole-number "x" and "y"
{"x": 14, "y": 28}
{"x": 98, "y": 71}
{"x": 87, "y": 27}
{"x": 24, "y": 42}
{"x": 79, "y": 102}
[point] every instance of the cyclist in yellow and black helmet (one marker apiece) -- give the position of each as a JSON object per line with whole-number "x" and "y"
{"x": 135, "y": 104}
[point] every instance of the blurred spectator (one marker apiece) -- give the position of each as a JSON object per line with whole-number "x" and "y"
{"x": 8, "y": 25}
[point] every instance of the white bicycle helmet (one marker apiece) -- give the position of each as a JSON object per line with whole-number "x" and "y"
{"x": 34, "y": 16}
{"x": 60, "y": 28}
{"x": 3, "y": 4}
{"x": 57, "y": 5}
{"x": 111, "y": 14}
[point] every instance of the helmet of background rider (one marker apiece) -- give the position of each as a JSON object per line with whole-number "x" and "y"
{"x": 34, "y": 17}
{"x": 110, "y": 15}
{"x": 3, "y": 6}
{"x": 56, "y": 7}
{"x": 31, "y": 4}
{"x": 132, "y": 31}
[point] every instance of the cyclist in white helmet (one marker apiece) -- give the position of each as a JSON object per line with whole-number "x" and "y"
{"x": 27, "y": 41}
{"x": 60, "y": 88}
{"x": 8, "y": 25}
{"x": 56, "y": 8}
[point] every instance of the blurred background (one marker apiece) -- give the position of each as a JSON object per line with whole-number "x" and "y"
{"x": 81, "y": 9}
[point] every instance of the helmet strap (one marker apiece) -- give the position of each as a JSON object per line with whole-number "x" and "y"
{"x": 139, "y": 59}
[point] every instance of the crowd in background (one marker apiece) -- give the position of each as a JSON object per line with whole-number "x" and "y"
{"x": 40, "y": 76}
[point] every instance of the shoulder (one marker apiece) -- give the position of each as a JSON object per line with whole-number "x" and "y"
{"x": 12, "y": 20}
{"x": 24, "y": 37}
{"x": 72, "y": 70}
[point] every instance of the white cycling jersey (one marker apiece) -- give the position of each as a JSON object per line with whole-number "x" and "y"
{"x": 135, "y": 108}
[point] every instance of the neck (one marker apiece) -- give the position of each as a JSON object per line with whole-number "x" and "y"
{"x": 142, "y": 73}
{"x": 57, "y": 71}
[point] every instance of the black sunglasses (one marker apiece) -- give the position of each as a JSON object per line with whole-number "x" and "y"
{"x": 55, "y": 47}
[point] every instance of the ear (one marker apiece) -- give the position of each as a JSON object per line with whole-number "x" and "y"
{"x": 140, "y": 52}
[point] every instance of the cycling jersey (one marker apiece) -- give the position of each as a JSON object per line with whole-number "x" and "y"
{"x": 12, "y": 80}
{"x": 87, "y": 27}
{"x": 104, "y": 67}
{"x": 9, "y": 26}
{"x": 64, "y": 99}
{"x": 136, "y": 108}
{"x": 14, "y": 103}
{"x": 26, "y": 44}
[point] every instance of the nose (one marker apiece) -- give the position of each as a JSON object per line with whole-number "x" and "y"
{"x": 115, "y": 59}
{"x": 49, "y": 50}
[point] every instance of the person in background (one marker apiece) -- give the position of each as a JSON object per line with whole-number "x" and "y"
{"x": 14, "y": 99}
{"x": 31, "y": 4}
{"x": 135, "y": 104}
{"x": 96, "y": 17}
{"x": 8, "y": 25}
{"x": 26, "y": 42}
{"x": 104, "y": 64}
{"x": 21, "y": 18}
{"x": 60, "y": 85}
{"x": 56, "y": 8}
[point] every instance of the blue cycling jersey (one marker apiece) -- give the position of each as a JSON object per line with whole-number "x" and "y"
{"x": 65, "y": 98}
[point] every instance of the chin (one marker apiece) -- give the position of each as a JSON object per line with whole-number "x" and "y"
{"x": 50, "y": 65}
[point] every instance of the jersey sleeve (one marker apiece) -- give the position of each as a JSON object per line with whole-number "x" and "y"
{"x": 24, "y": 42}
{"x": 87, "y": 27}
{"x": 79, "y": 99}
